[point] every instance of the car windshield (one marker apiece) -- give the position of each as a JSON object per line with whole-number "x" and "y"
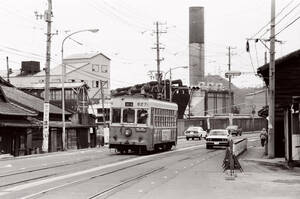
{"x": 195, "y": 129}
{"x": 218, "y": 132}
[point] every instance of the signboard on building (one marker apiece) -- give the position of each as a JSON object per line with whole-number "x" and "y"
{"x": 46, "y": 127}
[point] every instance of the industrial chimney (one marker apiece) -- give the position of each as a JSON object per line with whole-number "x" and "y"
{"x": 196, "y": 45}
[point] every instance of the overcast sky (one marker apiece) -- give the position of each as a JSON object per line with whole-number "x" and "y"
{"x": 126, "y": 34}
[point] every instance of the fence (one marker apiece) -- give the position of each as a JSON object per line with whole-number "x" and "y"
{"x": 247, "y": 124}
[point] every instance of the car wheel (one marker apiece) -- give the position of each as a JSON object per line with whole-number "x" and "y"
{"x": 200, "y": 137}
{"x": 192, "y": 138}
{"x": 208, "y": 147}
{"x": 187, "y": 138}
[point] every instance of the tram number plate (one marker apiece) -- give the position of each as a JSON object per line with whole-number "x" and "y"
{"x": 216, "y": 143}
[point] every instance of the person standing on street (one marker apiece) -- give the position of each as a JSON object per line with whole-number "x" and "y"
{"x": 263, "y": 137}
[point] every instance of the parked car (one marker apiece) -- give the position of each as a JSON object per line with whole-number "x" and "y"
{"x": 195, "y": 132}
{"x": 217, "y": 137}
{"x": 234, "y": 130}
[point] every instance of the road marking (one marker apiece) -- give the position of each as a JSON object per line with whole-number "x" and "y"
{"x": 7, "y": 166}
{"x": 152, "y": 182}
{"x": 165, "y": 177}
{"x": 53, "y": 179}
{"x": 140, "y": 191}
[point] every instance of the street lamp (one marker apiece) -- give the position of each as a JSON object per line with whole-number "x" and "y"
{"x": 170, "y": 84}
{"x": 63, "y": 81}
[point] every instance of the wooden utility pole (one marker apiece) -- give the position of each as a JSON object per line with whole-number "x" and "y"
{"x": 48, "y": 19}
{"x": 271, "y": 123}
{"x": 158, "y": 48}
{"x": 229, "y": 77}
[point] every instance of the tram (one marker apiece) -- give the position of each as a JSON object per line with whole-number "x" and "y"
{"x": 142, "y": 124}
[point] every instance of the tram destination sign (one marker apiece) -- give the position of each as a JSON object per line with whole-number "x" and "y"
{"x": 129, "y": 104}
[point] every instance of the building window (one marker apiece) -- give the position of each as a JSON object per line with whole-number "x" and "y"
{"x": 95, "y": 67}
{"x": 104, "y": 68}
{"x": 95, "y": 84}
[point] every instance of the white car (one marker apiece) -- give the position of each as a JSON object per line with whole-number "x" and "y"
{"x": 217, "y": 137}
{"x": 195, "y": 132}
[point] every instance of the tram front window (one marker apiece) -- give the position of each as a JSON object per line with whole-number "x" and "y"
{"x": 116, "y": 116}
{"x": 128, "y": 115}
{"x": 142, "y": 116}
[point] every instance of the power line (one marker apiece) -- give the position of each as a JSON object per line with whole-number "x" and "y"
{"x": 287, "y": 26}
{"x": 281, "y": 19}
{"x": 271, "y": 20}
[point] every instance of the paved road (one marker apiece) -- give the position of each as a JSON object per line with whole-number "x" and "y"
{"x": 101, "y": 173}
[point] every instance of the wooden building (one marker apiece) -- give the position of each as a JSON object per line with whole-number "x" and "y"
{"x": 21, "y": 122}
{"x": 287, "y": 85}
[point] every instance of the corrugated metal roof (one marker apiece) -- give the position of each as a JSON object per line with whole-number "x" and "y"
{"x": 18, "y": 123}
{"x": 28, "y": 100}
{"x": 14, "y": 73}
{"x": 54, "y": 85}
{"x": 10, "y": 109}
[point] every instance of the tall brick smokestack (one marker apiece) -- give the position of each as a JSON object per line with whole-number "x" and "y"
{"x": 196, "y": 45}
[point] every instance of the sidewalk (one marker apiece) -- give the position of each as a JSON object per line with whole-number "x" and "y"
{"x": 262, "y": 178}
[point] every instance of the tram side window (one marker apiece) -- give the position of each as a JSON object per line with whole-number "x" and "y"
{"x": 142, "y": 116}
{"x": 128, "y": 115}
{"x": 116, "y": 116}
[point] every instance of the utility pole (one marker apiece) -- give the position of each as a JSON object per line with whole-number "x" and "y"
{"x": 158, "y": 48}
{"x": 271, "y": 123}
{"x": 229, "y": 77}
{"x": 170, "y": 86}
{"x": 8, "y": 71}
{"x": 102, "y": 99}
{"x": 47, "y": 17}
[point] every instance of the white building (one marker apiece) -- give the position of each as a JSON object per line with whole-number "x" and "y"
{"x": 97, "y": 110}
{"x": 91, "y": 68}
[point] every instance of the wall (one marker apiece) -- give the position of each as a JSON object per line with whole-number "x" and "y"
{"x": 247, "y": 124}
{"x": 87, "y": 74}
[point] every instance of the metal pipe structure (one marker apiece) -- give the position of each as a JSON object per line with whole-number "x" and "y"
{"x": 63, "y": 82}
{"x": 170, "y": 82}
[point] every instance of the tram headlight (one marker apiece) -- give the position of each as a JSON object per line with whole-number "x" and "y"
{"x": 128, "y": 132}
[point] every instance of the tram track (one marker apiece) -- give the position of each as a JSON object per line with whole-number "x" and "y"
{"x": 2, "y": 177}
{"x": 104, "y": 193}
{"x": 124, "y": 181}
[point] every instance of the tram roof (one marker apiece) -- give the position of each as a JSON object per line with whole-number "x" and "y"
{"x": 120, "y": 101}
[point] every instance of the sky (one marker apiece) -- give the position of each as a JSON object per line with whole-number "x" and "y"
{"x": 126, "y": 34}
